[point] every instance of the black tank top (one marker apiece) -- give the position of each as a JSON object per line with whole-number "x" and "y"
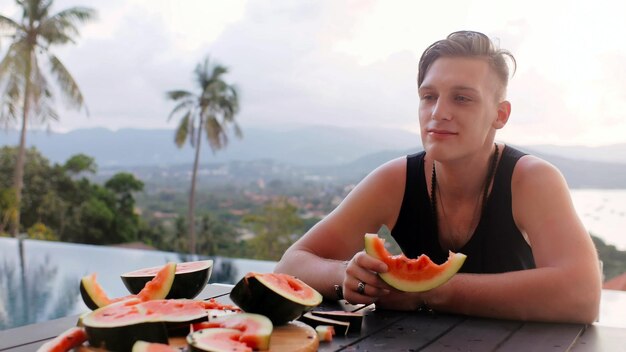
{"x": 496, "y": 245}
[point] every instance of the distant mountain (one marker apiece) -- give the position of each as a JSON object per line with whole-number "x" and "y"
{"x": 315, "y": 145}
{"x": 323, "y": 151}
{"x": 578, "y": 173}
{"x": 610, "y": 153}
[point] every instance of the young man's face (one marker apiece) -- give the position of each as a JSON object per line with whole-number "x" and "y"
{"x": 459, "y": 111}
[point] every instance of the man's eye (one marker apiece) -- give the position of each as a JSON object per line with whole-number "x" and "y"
{"x": 428, "y": 97}
{"x": 462, "y": 99}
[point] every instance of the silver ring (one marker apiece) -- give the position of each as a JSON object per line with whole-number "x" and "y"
{"x": 360, "y": 287}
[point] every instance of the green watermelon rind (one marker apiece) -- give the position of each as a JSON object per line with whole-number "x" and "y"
{"x": 453, "y": 265}
{"x": 187, "y": 284}
{"x": 255, "y": 296}
{"x": 148, "y": 324}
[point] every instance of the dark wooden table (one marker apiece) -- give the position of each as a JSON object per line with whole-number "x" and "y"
{"x": 400, "y": 331}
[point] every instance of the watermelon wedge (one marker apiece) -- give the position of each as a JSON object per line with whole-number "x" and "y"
{"x": 412, "y": 275}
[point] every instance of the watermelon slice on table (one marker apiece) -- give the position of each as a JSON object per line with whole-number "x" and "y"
{"x": 280, "y": 297}
{"x": 95, "y": 297}
{"x": 66, "y": 341}
{"x": 119, "y": 325}
{"x": 256, "y": 329}
{"x": 189, "y": 280}
{"x": 217, "y": 339}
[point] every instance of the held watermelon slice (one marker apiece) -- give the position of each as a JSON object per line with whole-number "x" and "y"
{"x": 256, "y": 329}
{"x": 412, "y": 275}
{"x": 190, "y": 279}
{"x": 280, "y": 297}
{"x": 94, "y": 296}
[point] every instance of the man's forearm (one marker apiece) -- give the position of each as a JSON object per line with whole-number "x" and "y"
{"x": 320, "y": 273}
{"x": 543, "y": 294}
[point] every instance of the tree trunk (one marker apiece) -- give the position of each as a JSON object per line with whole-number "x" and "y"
{"x": 192, "y": 192}
{"x": 18, "y": 175}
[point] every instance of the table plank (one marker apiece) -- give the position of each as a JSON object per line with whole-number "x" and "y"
{"x": 373, "y": 322}
{"x": 543, "y": 337}
{"x": 413, "y": 332}
{"x": 475, "y": 334}
{"x": 601, "y": 338}
{"x": 35, "y": 332}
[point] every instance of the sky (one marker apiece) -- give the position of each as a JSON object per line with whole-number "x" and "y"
{"x": 345, "y": 62}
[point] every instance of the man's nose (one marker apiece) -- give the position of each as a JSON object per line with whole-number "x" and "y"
{"x": 441, "y": 111}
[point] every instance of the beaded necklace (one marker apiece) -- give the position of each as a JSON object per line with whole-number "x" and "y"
{"x": 434, "y": 189}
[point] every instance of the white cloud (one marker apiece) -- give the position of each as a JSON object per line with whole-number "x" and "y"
{"x": 350, "y": 62}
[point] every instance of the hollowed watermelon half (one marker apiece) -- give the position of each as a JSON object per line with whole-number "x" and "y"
{"x": 118, "y": 326}
{"x": 95, "y": 297}
{"x": 190, "y": 279}
{"x": 412, "y": 275}
{"x": 217, "y": 340}
{"x": 280, "y": 297}
{"x": 256, "y": 329}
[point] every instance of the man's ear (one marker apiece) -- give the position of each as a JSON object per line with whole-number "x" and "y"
{"x": 504, "y": 111}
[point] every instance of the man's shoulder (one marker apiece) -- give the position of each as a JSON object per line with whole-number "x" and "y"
{"x": 533, "y": 171}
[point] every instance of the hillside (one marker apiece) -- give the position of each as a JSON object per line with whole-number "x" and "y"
{"x": 315, "y": 152}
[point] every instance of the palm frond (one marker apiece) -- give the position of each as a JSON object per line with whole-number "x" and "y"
{"x": 10, "y": 103}
{"x": 215, "y": 133}
{"x": 218, "y": 71}
{"x": 182, "y": 130}
{"x": 62, "y": 27}
{"x": 178, "y": 94}
{"x": 14, "y": 62}
{"x": 66, "y": 82}
{"x": 192, "y": 132}
{"x": 8, "y": 25}
{"x": 238, "y": 131}
{"x": 214, "y": 109}
{"x": 187, "y": 104}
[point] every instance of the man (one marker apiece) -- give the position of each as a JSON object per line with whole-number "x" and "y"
{"x": 528, "y": 255}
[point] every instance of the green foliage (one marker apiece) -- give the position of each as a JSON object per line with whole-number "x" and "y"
{"x": 613, "y": 260}
{"x": 275, "y": 229}
{"x": 80, "y": 163}
{"x": 40, "y": 231}
{"x": 71, "y": 210}
{"x": 25, "y": 93}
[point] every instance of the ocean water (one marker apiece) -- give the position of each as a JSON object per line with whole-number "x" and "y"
{"x": 603, "y": 212}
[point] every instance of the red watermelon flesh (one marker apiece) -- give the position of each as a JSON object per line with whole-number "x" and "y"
{"x": 217, "y": 339}
{"x": 135, "y": 311}
{"x": 95, "y": 297}
{"x": 66, "y": 341}
{"x": 412, "y": 275}
{"x": 189, "y": 280}
{"x": 256, "y": 329}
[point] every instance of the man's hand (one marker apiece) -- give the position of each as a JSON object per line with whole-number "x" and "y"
{"x": 361, "y": 284}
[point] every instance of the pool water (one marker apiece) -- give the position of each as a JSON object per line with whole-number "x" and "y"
{"x": 40, "y": 280}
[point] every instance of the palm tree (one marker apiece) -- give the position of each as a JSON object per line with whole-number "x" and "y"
{"x": 24, "y": 89}
{"x": 209, "y": 112}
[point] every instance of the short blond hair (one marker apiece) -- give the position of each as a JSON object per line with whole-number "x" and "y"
{"x": 469, "y": 44}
